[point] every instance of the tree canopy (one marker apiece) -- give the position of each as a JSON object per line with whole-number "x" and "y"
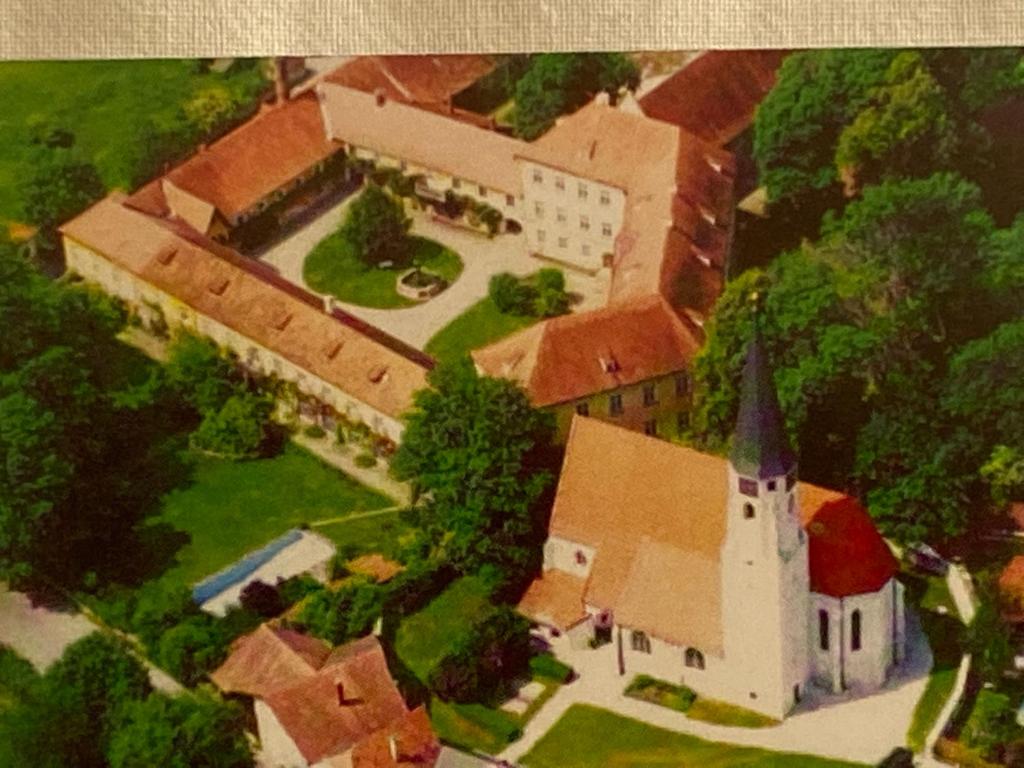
{"x": 556, "y": 84}
{"x": 481, "y": 457}
{"x": 376, "y": 227}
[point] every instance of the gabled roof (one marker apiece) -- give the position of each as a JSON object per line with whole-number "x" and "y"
{"x": 422, "y": 137}
{"x": 406, "y": 743}
{"x": 655, "y": 514}
{"x": 417, "y": 79}
{"x": 555, "y": 598}
{"x": 760, "y": 445}
{"x": 267, "y": 659}
{"x": 716, "y": 95}
{"x": 577, "y": 355}
{"x": 251, "y": 299}
{"x": 319, "y": 722}
{"x": 263, "y": 154}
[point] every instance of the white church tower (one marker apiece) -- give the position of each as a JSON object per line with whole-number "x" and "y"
{"x": 765, "y": 575}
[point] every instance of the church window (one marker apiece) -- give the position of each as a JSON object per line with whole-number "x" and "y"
{"x": 748, "y": 511}
{"x": 694, "y": 658}
{"x": 855, "y": 631}
{"x": 771, "y": 485}
{"x": 823, "y": 630}
{"x": 615, "y": 404}
{"x": 583, "y": 409}
{"x": 640, "y": 642}
{"x": 748, "y": 487}
{"x": 581, "y": 559}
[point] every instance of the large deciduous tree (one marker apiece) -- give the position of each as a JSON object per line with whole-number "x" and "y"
{"x": 376, "y": 227}
{"x": 558, "y": 83}
{"x": 481, "y": 457}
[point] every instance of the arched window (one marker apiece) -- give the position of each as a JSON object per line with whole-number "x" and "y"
{"x": 581, "y": 559}
{"x": 823, "y": 630}
{"x": 748, "y": 511}
{"x": 640, "y": 641}
{"x": 694, "y": 658}
{"x": 855, "y": 630}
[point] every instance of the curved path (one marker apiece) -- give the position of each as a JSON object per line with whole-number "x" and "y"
{"x": 481, "y": 256}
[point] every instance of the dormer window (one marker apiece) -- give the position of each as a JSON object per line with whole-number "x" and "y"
{"x": 609, "y": 364}
{"x": 581, "y": 558}
{"x": 218, "y": 287}
{"x": 282, "y": 322}
{"x": 378, "y": 374}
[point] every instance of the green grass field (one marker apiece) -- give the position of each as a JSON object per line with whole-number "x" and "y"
{"x": 477, "y": 327}
{"x": 106, "y": 104}
{"x": 424, "y": 638}
{"x": 332, "y": 267}
{"x": 588, "y": 737}
{"x": 229, "y": 508}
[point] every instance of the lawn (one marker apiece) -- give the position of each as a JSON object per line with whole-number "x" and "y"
{"x": 931, "y": 597}
{"x": 333, "y": 267}
{"x": 106, "y": 104}
{"x": 375, "y": 533}
{"x": 423, "y": 638}
{"x": 229, "y": 508}
{"x": 477, "y": 327}
{"x": 589, "y": 737}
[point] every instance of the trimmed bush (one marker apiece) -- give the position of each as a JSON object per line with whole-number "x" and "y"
{"x": 546, "y": 665}
{"x": 365, "y": 460}
{"x": 262, "y": 599}
{"x": 314, "y": 430}
{"x": 510, "y": 294}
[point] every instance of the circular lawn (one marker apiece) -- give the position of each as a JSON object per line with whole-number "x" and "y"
{"x": 332, "y": 267}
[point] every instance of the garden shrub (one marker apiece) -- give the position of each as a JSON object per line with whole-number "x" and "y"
{"x": 511, "y": 295}
{"x": 366, "y": 460}
{"x": 546, "y": 665}
{"x": 314, "y": 430}
{"x": 294, "y": 589}
{"x": 343, "y": 614}
{"x": 239, "y": 430}
{"x": 262, "y": 599}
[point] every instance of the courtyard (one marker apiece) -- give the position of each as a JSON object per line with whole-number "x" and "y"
{"x": 462, "y": 301}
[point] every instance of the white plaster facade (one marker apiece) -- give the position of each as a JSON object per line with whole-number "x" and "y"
{"x": 569, "y": 218}
{"x": 277, "y": 750}
{"x": 150, "y": 302}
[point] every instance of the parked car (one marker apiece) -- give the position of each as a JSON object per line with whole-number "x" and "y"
{"x": 926, "y": 559}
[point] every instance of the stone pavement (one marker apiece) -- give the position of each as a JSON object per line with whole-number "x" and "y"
{"x": 482, "y": 257}
{"x": 864, "y": 729}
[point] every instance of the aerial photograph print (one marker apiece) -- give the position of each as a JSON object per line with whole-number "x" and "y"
{"x": 610, "y": 409}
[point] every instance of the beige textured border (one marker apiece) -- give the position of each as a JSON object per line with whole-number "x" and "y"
{"x": 150, "y": 28}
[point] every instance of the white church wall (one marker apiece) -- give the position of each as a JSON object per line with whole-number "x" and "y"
{"x": 568, "y": 556}
{"x": 667, "y": 661}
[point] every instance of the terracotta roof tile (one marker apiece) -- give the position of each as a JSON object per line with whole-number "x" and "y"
{"x": 268, "y": 658}
{"x": 414, "y": 79}
{"x": 1011, "y": 589}
{"x": 318, "y": 722}
{"x": 654, "y": 511}
{"x": 555, "y": 598}
{"x": 715, "y": 95}
{"x": 409, "y": 741}
{"x": 254, "y": 303}
{"x": 577, "y": 355}
{"x": 257, "y": 158}
{"x": 422, "y": 137}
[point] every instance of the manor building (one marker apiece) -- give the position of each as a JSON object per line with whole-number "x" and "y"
{"x": 727, "y": 575}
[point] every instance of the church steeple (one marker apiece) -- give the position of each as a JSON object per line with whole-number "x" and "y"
{"x": 760, "y": 447}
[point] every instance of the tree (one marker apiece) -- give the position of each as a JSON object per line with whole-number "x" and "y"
{"x": 200, "y": 373}
{"x": 181, "y": 732}
{"x": 91, "y": 683}
{"x": 343, "y": 614}
{"x": 797, "y": 126}
{"x": 209, "y": 108}
{"x": 511, "y": 295}
{"x": 262, "y": 598}
{"x": 376, "y": 228}
{"x": 484, "y": 661}
{"x": 59, "y": 187}
{"x": 558, "y": 83}
{"x": 481, "y": 456}
{"x": 905, "y": 129}
{"x": 239, "y": 430}
{"x": 192, "y": 648}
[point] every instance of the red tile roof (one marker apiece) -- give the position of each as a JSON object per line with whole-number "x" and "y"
{"x": 336, "y": 347}
{"x": 655, "y": 513}
{"x": 318, "y": 722}
{"x": 408, "y": 742}
{"x": 268, "y": 658}
{"x": 577, "y": 355}
{"x": 1011, "y": 590}
{"x": 423, "y": 80}
{"x": 848, "y": 556}
{"x": 262, "y": 155}
{"x": 715, "y": 96}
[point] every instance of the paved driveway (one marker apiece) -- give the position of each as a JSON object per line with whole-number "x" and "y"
{"x": 862, "y": 729}
{"x": 482, "y": 257}
{"x": 37, "y": 632}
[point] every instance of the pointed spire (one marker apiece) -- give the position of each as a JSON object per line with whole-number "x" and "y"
{"x": 760, "y": 446}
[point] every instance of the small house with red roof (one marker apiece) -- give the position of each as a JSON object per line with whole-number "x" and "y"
{"x": 326, "y": 708}
{"x": 727, "y": 575}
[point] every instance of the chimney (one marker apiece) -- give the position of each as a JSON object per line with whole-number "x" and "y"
{"x": 380, "y": 98}
{"x": 393, "y": 746}
{"x": 280, "y": 80}
{"x": 340, "y": 688}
